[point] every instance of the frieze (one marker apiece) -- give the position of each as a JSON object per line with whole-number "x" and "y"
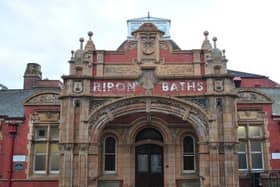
{"x": 201, "y": 101}
{"x": 251, "y": 115}
{"x": 174, "y": 70}
{"x": 44, "y": 99}
{"x": 94, "y": 103}
{"x": 121, "y": 70}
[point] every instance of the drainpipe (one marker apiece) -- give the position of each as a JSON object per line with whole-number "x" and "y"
{"x": 12, "y": 129}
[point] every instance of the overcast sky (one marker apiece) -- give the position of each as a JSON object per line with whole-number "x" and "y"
{"x": 46, "y": 31}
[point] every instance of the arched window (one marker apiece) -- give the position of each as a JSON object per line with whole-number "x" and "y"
{"x": 149, "y": 134}
{"x": 189, "y": 154}
{"x": 110, "y": 155}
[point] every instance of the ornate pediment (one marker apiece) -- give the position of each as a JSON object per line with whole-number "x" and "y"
{"x": 253, "y": 96}
{"x": 43, "y": 99}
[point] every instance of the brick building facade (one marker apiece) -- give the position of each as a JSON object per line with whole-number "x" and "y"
{"x": 148, "y": 114}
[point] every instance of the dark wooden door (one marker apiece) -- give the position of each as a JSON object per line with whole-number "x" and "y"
{"x": 149, "y": 166}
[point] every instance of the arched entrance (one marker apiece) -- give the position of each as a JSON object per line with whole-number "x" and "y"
{"x": 149, "y": 159}
{"x": 149, "y": 131}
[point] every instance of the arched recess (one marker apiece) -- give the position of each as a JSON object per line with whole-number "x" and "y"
{"x": 251, "y": 95}
{"x": 185, "y": 110}
{"x": 43, "y": 98}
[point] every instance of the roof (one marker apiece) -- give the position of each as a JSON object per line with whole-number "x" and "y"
{"x": 275, "y": 94}
{"x": 11, "y": 102}
{"x": 245, "y": 74}
{"x": 148, "y": 18}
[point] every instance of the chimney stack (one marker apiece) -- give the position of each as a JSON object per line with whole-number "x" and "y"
{"x": 31, "y": 75}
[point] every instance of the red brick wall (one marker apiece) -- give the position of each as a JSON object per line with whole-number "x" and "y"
{"x": 20, "y": 148}
{"x": 254, "y": 82}
{"x": 273, "y": 128}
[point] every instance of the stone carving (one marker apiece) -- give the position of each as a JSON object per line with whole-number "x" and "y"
{"x": 35, "y": 118}
{"x": 77, "y": 86}
{"x": 201, "y": 101}
{"x": 93, "y": 104}
{"x": 44, "y": 99}
{"x": 148, "y": 43}
{"x": 148, "y": 79}
{"x": 154, "y": 104}
{"x": 251, "y": 115}
{"x": 252, "y": 97}
{"x": 218, "y": 85}
{"x": 121, "y": 70}
{"x": 174, "y": 70}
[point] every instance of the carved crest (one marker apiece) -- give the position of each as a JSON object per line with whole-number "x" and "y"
{"x": 218, "y": 85}
{"x": 77, "y": 86}
{"x": 148, "y": 41}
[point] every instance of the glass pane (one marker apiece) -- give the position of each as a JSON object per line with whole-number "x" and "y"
{"x": 257, "y": 161}
{"x": 54, "y": 162}
{"x": 256, "y": 147}
{"x": 188, "y": 162}
{"x": 54, "y": 148}
{"x": 242, "y": 161}
{"x": 156, "y": 163}
{"x": 241, "y": 132}
{"x": 41, "y": 133}
{"x": 188, "y": 145}
{"x": 40, "y": 162}
{"x": 149, "y": 133}
{"x": 54, "y": 133}
{"x": 255, "y": 131}
{"x": 110, "y": 162}
{"x": 242, "y": 147}
{"x": 142, "y": 163}
{"x": 40, "y": 148}
{"x": 110, "y": 145}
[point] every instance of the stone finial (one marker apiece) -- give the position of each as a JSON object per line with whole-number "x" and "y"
{"x": 81, "y": 42}
{"x": 206, "y": 43}
{"x": 224, "y": 52}
{"x": 90, "y": 34}
{"x": 72, "y": 53}
{"x": 90, "y": 45}
{"x": 215, "y": 41}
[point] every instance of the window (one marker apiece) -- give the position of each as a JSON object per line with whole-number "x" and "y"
{"x": 189, "y": 154}
{"x": 45, "y": 144}
{"x": 110, "y": 155}
{"x": 250, "y": 149}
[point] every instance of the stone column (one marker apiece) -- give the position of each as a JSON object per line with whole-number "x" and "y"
{"x": 66, "y": 175}
{"x": 83, "y": 164}
{"x": 169, "y": 164}
{"x": 203, "y": 159}
{"x": 230, "y": 171}
{"x": 93, "y": 165}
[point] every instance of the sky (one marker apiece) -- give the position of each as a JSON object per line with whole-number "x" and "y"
{"x": 45, "y": 32}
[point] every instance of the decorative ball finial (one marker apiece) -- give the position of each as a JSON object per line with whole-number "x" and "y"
{"x": 72, "y": 53}
{"x": 90, "y": 34}
{"x": 81, "y": 41}
{"x": 206, "y": 33}
{"x": 215, "y": 40}
{"x": 224, "y": 52}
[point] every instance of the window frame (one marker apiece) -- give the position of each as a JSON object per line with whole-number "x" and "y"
{"x": 48, "y": 141}
{"x": 248, "y": 139}
{"x": 104, "y": 155}
{"x": 194, "y": 155}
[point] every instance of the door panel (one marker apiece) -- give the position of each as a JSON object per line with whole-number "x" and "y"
{"x": 149, "y": 170}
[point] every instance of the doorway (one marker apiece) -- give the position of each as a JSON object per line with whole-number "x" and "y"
{"x": 149, "y": 166}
